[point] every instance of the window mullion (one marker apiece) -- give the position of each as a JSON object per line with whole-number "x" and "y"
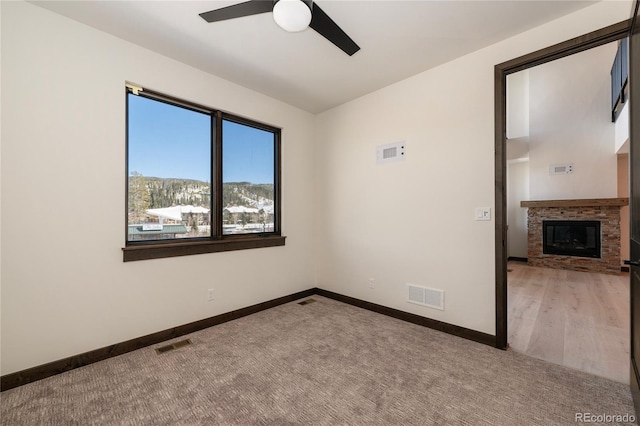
{"x": 277, "y": 181}
{"x": 217, "y": 173}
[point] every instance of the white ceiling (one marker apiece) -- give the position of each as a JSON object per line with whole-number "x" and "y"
{"x": 398, "y": 39}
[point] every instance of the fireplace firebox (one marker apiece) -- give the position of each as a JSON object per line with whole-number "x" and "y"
{"x": 571, "y": 238}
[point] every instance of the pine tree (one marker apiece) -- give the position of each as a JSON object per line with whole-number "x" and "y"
{"x": 139, "y": 197}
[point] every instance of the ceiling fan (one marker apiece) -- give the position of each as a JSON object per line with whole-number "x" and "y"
{"x": 290, "y": 15}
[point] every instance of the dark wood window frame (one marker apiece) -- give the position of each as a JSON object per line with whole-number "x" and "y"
{"x": 501, "y": 71}
{"x": 217, "y": 242}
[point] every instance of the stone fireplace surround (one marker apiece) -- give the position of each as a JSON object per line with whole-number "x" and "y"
{"x": 605, "y": 210}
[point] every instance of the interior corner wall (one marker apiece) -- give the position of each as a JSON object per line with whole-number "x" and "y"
{"x": 622, "y": 130}
{"x": 517, "y": 191}
{"x": 413, "y": 221}
{"x": 518, "y": 105}
{"x": 570, "y": 122}
{"x": 65, "y": 288}
{"x": 623, "y": 192}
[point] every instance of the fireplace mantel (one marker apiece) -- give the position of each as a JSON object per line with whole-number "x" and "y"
{"x": 593, "y": 202}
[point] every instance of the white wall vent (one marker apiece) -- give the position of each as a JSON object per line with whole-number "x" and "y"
{"x": 426, "y": 296}
{"x": 390, "y": 152}
{"x": 561, "y": 169}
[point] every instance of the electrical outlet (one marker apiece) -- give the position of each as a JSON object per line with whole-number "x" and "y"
{"x": 210, "y": 294}
{"x": 372, "y": 283}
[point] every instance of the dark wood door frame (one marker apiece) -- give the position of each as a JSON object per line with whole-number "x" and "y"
{"x": 634, "y": 195}
{"x": 576, "y": 45}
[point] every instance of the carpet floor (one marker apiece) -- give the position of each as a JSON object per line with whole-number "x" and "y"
{"x": 323, "y": 363}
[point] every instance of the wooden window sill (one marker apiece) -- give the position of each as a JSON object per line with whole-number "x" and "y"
{"x": 186, "y": 248}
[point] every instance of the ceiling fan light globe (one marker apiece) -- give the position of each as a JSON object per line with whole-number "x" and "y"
{"x": 292, "y": 15}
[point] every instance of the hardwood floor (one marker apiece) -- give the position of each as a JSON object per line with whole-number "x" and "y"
{"x": 577, "y": 319}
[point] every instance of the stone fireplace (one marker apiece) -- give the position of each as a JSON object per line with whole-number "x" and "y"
{"x": 575, "y": 248}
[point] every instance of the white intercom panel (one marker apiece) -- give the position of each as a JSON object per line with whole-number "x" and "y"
{"x": 390, "y": 152}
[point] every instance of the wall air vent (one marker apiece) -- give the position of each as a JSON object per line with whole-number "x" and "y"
{"x": 172, "y": 346}
{"x": 425, "y": 296}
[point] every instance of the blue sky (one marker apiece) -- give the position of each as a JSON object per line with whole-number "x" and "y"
{"x": 247, "y": 154}
{"x": 172, "y": 142}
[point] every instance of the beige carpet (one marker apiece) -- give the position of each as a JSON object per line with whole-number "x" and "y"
{"x": 321, "y": 363}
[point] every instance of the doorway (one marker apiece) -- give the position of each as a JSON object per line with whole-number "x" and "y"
{"x": 568, "y": 304}
{"x": 595, "y": 39}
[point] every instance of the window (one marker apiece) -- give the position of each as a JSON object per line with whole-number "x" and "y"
{"x": 620, "y": 79}
{"x": 198, "y": 180}
{"x": 248, "y": 177}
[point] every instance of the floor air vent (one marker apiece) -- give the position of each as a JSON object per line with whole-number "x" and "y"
{"x": 431, "y": 297}
{"x": 175, "y": 345}
{"x": 306, "y": 302}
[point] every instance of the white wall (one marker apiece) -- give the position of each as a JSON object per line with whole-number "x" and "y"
{"x": 518, "y": 105}
{"x": 622, "y": 131}
{"x": 413, "y": 221}
{"x": 517, "y": 191}
{"x": 623, "y": 192}
{"x": 65, "y": 289}
{"x": 517, "y": 148}
{"x": 570, "y": 122}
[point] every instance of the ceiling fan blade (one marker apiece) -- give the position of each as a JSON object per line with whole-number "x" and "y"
{"x": 325, "y": 26}
{"x": 253, "y": 7}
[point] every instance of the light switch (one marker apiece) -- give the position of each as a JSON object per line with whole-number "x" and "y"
{"x": 483, "y": 213}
